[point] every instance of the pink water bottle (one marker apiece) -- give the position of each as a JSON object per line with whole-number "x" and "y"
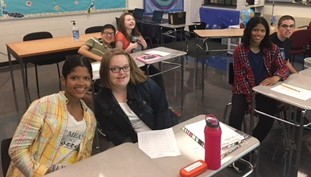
{"x": 212, "y": 134}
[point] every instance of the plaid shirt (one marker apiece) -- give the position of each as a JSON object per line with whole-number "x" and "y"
{"x": 38, "y": 135}
{"x": 244, "y": 79}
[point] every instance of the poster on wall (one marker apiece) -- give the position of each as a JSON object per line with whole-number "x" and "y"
{"x": 164, "y": 5}
{"x": 12, "y": 9}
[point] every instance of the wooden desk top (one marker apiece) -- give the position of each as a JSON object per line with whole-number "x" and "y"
{"x": 50, "y": 45}
{"x": 219, "y": 32}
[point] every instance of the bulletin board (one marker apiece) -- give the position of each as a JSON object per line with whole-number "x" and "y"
{"x": 12, "y": 9}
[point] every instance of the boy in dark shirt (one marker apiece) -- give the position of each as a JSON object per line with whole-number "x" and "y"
{"x": 286, "y": 27}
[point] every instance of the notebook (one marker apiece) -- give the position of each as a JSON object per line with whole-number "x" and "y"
{"x": 229, "y": 137}
{"x": 156, "y": 17}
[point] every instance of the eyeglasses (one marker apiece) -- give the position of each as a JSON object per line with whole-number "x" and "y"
{"x": 108, "y": 34}
{"x": 286, "y": 26}
{"x": 117, "y": 69}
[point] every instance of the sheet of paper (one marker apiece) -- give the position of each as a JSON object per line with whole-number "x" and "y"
{"x": 158, "y": 143}
{"x": 292, "y": 91}
{"x": 95, "y": 68}
{"x": 228, "y": 136}
{"x": 158, "y": 53}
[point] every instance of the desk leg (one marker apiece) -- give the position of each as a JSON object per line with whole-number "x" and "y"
{"x": 303, "y": 112}
{"x": 12, "y": 78}
{"x": 182, "y": 60}
{"x": 196, "y": 61}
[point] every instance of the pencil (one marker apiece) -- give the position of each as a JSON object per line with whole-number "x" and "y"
{"x": 290, "y": 88}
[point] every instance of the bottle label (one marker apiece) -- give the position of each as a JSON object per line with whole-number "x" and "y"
{"x": 75, "y": 35}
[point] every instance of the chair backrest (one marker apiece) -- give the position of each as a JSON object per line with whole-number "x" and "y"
{"x": 117, "y": 21}
{"x": 138, "y": 14}
{"x": 93, "y": 29}
{"x": 5, "y": 158}
{"x": 37, "y": 35}
{"x": 300, "y": 38}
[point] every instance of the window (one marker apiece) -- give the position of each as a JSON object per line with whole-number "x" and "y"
{"x": 232, "y": 3}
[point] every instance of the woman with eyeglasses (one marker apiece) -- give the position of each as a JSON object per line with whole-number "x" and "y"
{"x": 130, "y": 39}
{"x": 129, "y": 101}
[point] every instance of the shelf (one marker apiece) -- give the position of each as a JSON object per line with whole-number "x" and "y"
{"x": 255, "y": 6}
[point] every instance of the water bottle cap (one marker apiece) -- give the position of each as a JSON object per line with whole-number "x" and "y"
{"x": 211, "y": 122}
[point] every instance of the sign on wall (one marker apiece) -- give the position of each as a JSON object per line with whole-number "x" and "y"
{"x": 164, "y": 5}
{"x": 11, "y": 9}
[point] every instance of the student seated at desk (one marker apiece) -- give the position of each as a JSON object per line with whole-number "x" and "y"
{"x": 129, "y": 101}
{"x": 95, "y": 48}
{"x": 127, "y": 31}
{"x": 57, "y": 130}
{"x": 257, "y": 61}
{"x": 286, "y": 27}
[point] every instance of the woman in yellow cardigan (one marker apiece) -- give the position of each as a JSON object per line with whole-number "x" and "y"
{"x": 57, "y": 130}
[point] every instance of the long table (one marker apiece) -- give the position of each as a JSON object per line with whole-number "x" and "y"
{"x": 297, "y": 80}
{"x": 20, "y": 50}
{"x": 128, "y": 160}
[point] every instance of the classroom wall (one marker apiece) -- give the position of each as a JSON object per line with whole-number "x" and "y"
{"x": 14, "y": 30}
{"x": 300, "y": 13}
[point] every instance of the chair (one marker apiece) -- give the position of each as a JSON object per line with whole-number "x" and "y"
{"x": 231, "y": 81}
{"x": 117, "y": 21}
{"x": 93, "y": 29}
{"x": 45, "y": 59}
{"x": 5, "y": 158}
{"x": 306, "y": 26}
{"x": 300, "y": 40}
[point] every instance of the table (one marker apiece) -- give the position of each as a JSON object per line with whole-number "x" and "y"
{"x": 192, "y": 151}
{"x": 175, "y": 29}
{"x": 212, "y": 33}
{"x": 20, "y": 50}
{"x": 297, "y": 80}
{"x": 123, "y": 160}
{"x": 306, "y": 72}
{"x": 172, "y": 54}
{"x": 128, "y": 160}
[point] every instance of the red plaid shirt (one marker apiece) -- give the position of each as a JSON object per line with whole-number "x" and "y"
{"x": 244, "y": 79}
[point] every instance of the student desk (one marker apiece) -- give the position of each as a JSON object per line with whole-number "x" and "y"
{"x": 306, "y": 72}
{"x": 173, "y": 31}
{"x": 212, "y": 33}
{"x": 123, "y": 160}
{"x": 192, "y": 151}
{"x": 128, "y": 160}
{"x": 20, "y": 50}
{"x": 172, "y": 54}
{"x": 297, "y": 80}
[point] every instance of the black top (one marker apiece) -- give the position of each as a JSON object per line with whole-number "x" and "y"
{"x": 258, "y": 66}
{"x": 283, "y": 45}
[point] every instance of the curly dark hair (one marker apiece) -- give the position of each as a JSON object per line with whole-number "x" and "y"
{"x": 253, "y": 22}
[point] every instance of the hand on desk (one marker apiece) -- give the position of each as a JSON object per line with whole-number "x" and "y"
{"x": 270, "y": 81}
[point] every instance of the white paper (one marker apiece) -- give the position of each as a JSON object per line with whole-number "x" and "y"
{"x": 158, "y": 53}
{"x": 158, "y": 143}
{"x": 95, "y": 68}
{"x": 292, "y": 91}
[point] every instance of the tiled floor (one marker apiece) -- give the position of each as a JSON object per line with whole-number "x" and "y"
{"x": 217, "y": 94}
